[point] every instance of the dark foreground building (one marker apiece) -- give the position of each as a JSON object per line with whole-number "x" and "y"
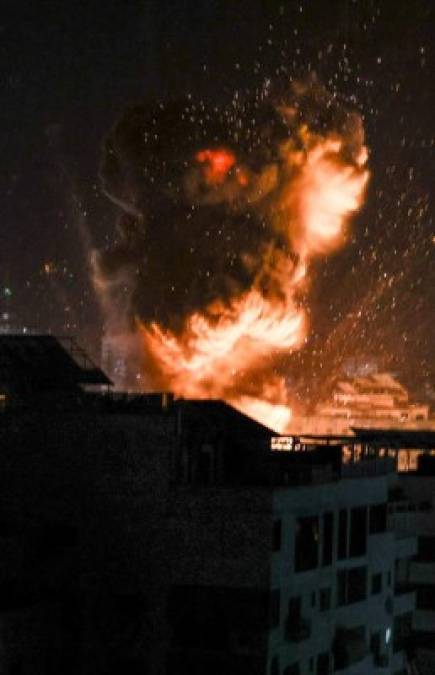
{"x": 145, "y": 535}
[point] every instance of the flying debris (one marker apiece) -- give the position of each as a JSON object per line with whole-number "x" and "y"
{"x": 223, "y": 212}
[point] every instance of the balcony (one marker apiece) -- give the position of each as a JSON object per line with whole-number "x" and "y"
{"x": 405, "y": 546}
{"x": 297, "y": 630}
{"x": 361, "y": 667}
{"x": 422, "y": 572}
{"x": 424, "y": 620}
{"x": 367, "y": 468}
{"x": 350, "y": 652}
{"x": 407, "y": 523}
{"x": 381, "y": 660}
{"x": 404, "y": 599}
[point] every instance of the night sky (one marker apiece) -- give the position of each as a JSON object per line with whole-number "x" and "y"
{"x": 69, "y": 71}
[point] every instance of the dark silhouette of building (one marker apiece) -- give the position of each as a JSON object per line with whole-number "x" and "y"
{"x": 143, "y": 534}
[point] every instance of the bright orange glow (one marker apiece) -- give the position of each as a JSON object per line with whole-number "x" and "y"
{"x": 242, "y": 178}
{"x": 324, "y": 195}
{"x": 216, "y": 355}
{"x": 218, "y": 163}
{"x": 234, "y": 349}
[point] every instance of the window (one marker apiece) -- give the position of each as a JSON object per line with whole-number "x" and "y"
{"x": 276, "y": 536}
{"x": 375, "y": 644}
{"x": 274, "y": 666}
{"x": 401, "y": 631}
{"x": 351, "y": 585}
{"x": 296, "y": 628}
{"x": 328, "y": 534}
{"x": 378, "y": 518}
{"x": 306, "y": 544}
{"x": 342, "y": 534}
{"x": 358, "y": 532}
{"x": 341, "y": 587}
{"x": 293, "y": 669}
{"x": 356, "y": 584}
{"x": 349, "y": 646}
{"x": 324, "y": 599}
{"x": 426, "y": 549}
{"x": 376, "y": 584}
{"x": 322, "y": 664}
{"x": 274, "y": 608}
{"x": 295, "y": 609}
{"x": 425, "y": 598}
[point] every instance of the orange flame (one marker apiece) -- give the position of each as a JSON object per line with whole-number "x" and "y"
{"x": 324, "y": 195}
{"x": 218, "y": 163}
{"x": 232, "y": 350}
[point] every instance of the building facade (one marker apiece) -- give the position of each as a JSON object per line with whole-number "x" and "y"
{"x": 413, "y": 511}
{"x": 146, "y": 535}
{"x": 374, "y": 400}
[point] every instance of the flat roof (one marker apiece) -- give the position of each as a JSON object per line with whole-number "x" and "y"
{"x": 423, "y": 439}
{"x": 403, "y": 439}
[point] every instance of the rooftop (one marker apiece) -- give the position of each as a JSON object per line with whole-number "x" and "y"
{"x": 34, "y": 363}
{"x": 402, "y": 439}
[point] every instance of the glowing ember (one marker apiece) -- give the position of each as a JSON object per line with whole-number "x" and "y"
{"x": 218, "y": 163}
{"x": 324, "y": 196}
{"x": 219, "y": 351}
{"x": 242, "y": 223}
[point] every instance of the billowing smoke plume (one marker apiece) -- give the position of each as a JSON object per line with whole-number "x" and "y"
{"x": 221, "y": 213}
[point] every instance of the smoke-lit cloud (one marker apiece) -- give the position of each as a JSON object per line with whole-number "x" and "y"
{"x": 221, "y": 214}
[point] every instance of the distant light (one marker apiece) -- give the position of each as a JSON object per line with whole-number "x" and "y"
{"x": 7, "y": 292}
{"x": 284, "y": 443}
{"x": 387, "y": 636}
{"x": 49, "y": 268}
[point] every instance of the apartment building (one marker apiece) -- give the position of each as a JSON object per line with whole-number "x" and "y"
{"x": 338, "y": 607}
{"x": 373, "y": 401}
{"x": 413, "y": 511}
{"x": 147, "y": 535}
{"x": 299, "y": 535}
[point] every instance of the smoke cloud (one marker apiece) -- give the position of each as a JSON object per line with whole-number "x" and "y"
{"x": 221, "y": 213}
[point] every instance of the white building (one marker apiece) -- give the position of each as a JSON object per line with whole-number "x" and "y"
{"x": 303, "y": 531}
{"x": 334, "y": 574}
{"x": 377, "y": 400}
{"x": 413, "y": 512}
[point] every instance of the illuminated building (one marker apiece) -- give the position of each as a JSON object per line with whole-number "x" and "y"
{"x": 377, "y": 400}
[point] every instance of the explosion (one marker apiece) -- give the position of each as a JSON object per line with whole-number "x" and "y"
{"x": 224, "y": 212}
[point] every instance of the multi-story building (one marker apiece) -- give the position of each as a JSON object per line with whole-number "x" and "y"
{"x": 413, "y": 511}
{"x": 146, "y": 535}
{"x": 328, "y": 585}
{"x": 374, "y": 400}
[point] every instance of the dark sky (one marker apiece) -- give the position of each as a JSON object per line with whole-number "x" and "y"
{"x": 69, "y": 70}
